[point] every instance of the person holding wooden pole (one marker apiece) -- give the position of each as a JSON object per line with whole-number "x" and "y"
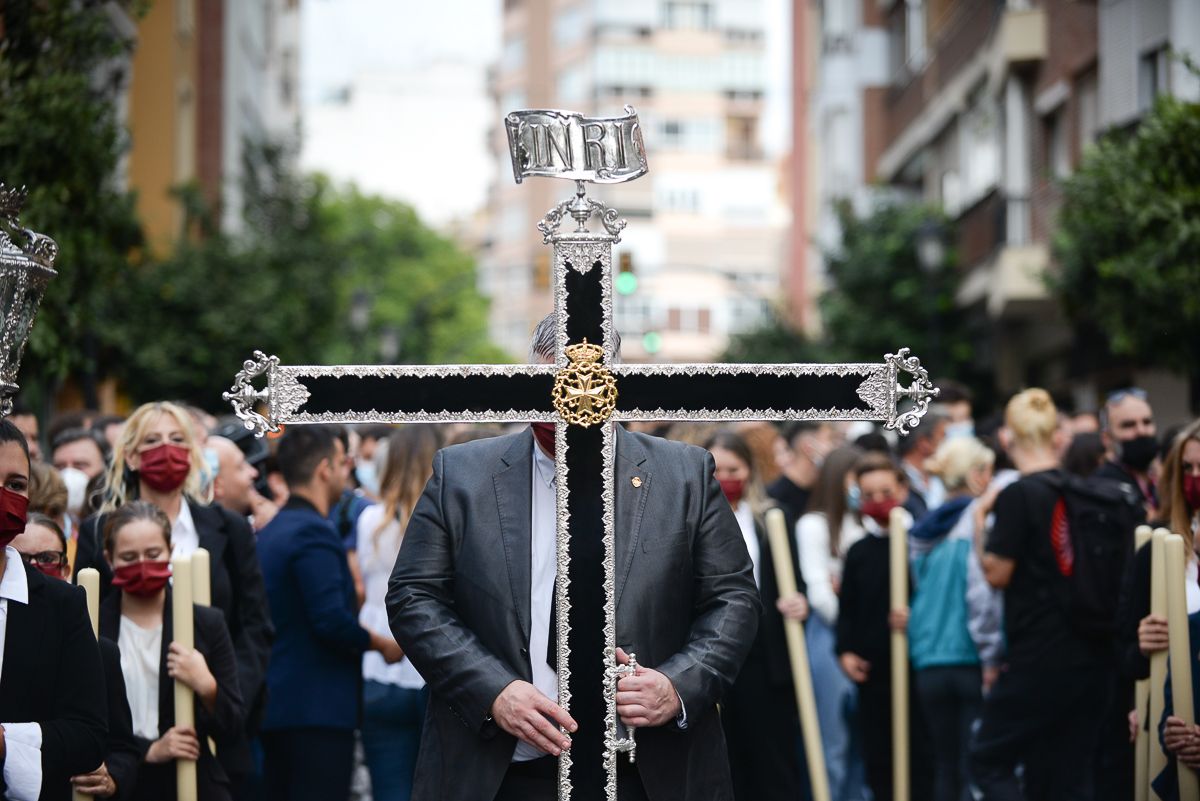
{"x": 758, "y": 713}
{"x": 1180, "y": 735}
{"x": 162, "y": 635}
{"x": 874, "y": 610}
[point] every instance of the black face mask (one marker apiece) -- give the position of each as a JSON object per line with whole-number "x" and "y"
{"x": 1138, "y": 453}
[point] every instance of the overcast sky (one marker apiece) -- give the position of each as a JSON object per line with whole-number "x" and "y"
{"x": 413, "y": 124}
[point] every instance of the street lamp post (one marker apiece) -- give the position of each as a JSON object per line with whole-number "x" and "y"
{"x": 931, "y": 256}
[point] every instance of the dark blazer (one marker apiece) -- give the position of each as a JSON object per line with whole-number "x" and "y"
{"x": 237, "y": 590}
{"x": 123, "y": 754}
{"x": 458, "y": 602}
{"x": 315, "y": 677}
{"x": 223, "y": 724}
{"x": 52, "y": 676}
{"x": 1166, "y": 784}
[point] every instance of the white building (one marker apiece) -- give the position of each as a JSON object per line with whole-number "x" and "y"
{"x": 707, "y": 224}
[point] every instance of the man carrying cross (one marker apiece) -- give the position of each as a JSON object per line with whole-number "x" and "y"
{"x": 470, "y": 603}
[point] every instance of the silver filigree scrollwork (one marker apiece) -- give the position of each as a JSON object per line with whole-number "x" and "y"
{"x": 612, "y": 671}
{"x": 581, "y": 208}
{"x": 562, "y": 587}
{"x": 287, "y": 394}
{"x": 244, "y": 397}
{"x": 921, "y": 391}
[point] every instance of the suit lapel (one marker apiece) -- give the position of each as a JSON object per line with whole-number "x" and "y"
{"x": 631, "y": 491}
{"x": 210, "y": 530}
{"x": 513, "y": 502}
{"x": 20, "y": 634}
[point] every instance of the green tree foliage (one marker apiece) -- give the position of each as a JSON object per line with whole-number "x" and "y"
{"x": 1128, "y": 244}
{"x": 286, "y": 284}
{"x": 880, "y": 299}
{"x": 773, "y": 342}
{"x": 877, "y": 300}
{"x": 60, "y": 69}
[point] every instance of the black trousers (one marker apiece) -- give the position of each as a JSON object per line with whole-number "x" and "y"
{"x": 537, "y": 780}
{"x": 761, "y": 728}
{"x": 1047, "y": 720}
{"x": 875, "y": 727}
{"x": 951, "y": 698}
{"x": 308, "y": 764}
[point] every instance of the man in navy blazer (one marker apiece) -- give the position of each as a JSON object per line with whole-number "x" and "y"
{"x": 315, "y": 673}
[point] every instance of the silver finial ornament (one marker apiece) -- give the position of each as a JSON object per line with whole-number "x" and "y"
{"x": 26, "y": 267}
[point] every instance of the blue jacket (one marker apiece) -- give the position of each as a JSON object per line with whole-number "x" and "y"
{"x": 1167, "y": 783}
{"x": 315, "y": 673}
{"x": 955, "y": 617}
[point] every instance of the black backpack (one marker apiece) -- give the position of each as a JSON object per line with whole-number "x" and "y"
{"x": 1091, "y": 534}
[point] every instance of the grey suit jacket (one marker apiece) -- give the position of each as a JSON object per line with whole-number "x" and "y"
{"x": 458, "y": 602}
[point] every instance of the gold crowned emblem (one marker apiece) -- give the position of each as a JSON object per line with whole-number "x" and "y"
{"x": 585, "y": 392}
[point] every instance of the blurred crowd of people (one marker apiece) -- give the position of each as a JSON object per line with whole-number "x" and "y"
{"x": 1013, "y": 696}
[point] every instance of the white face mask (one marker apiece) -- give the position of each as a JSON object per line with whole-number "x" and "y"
{"x": 77, "y": 483}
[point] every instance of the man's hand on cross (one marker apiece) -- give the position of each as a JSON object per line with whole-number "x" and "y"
{"x": 647, "y": 698}
{"x": 526, "y": 713}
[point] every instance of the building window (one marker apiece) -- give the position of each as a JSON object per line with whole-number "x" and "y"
{"x": 1087, "y": 109}
{"x": 687, "y": 15}
{"x": 1058, "y": 153}
{"x": 741, "y": 138}
{"x": 672, "y": 133}
{"x": 1153, "y": 69}
{"x": 569, "y": 27}
{"x": 571, "y": 85}
{"x": 513, "y": 57}
{"x": 979, "y": 132}
{"x": 914, "y": 34}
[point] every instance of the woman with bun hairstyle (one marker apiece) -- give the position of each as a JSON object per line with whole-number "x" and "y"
{"x": 139, "y": 619}
{"x": 157, "y": 460}
{"x": 954, "y": 629}
{"x": 1047, "y": 707}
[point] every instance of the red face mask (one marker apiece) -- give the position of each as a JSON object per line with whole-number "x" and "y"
{"x": 53, "y": 571}
{"x": 1191, "y": 492}
{"x": 544, "y": 434}
{"x": 733, "y": 488}
{"x": 165, "y": 467}
{"x": 880, "y": 511}
{"x": 13, "y": 508}
{"x": 142, "y": 578}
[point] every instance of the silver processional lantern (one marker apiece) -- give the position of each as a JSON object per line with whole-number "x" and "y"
{"x": 26, "y": 267}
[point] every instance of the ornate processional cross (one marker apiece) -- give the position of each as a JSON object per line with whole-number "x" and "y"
{"x": 585, "y": 392}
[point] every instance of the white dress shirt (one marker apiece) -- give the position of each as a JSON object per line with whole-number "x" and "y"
{"x": 543, "y": 568}
{"x": 141, "y": 651}
{"x": 377, "y": 549}
{"x": 184, "y": 539}
{"x": 22, "y": 741}
{"x": 745, "y": 518}
{"x": 819, "y": 566}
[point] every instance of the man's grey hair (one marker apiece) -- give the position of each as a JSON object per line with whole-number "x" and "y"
{"x": 541, "y": 344}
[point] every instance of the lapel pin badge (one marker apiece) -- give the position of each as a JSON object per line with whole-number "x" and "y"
{"x": 637, "y": 482}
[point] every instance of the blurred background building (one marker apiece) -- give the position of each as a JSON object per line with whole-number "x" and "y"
{"x": 207, "y": 76}
{"x": 705, "y": 249}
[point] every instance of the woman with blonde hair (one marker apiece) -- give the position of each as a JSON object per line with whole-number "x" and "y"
{"x": 1048, "y": 709}
{"x": 394, "y": 695}
{"x": 157, "y": 460}
{"x": 954, "y": 629}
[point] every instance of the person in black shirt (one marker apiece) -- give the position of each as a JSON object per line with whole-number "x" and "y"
{"x": 864, "y": 627}
{"x": 800, "y": 451}
{"x": 1047, "y": 705}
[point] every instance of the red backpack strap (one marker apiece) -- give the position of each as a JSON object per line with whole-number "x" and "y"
{"x": 1060, "y": 538}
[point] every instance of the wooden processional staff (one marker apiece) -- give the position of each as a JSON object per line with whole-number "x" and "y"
{"x": 898, "y": 564}
{"x": 806, "y": 701}
{"x": 1141, "y": 703}
{"x": 182, "y": 598}
{"x": 89, "y": 579}
{"x": 1180, "y": 653}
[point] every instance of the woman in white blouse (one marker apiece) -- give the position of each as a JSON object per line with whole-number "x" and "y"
{"x": 394, "y": 696}
{"x": 823, "y": 536}
{"x": 139, "y": 619}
